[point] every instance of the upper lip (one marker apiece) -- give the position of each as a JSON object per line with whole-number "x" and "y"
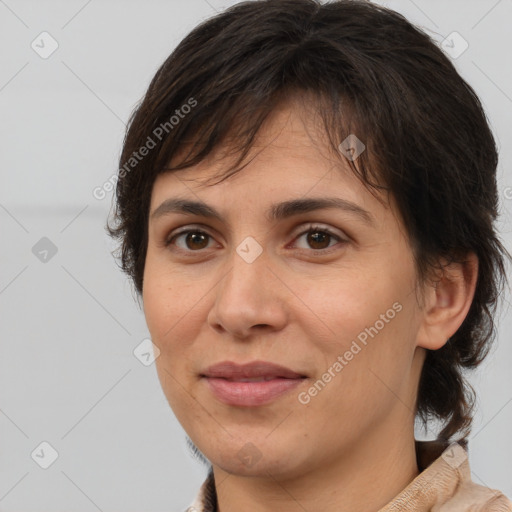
{"x": 231, "y": 370}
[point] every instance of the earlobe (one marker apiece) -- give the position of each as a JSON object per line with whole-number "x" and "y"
{"x": 447, "y": 302}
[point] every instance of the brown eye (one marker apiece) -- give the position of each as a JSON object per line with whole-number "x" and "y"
{"x": 319, "y": 238}
{"x": 194, "y": 240}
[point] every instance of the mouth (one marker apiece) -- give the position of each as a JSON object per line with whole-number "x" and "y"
{"x": 252, "y": 370}
{"x": 252, "y": 379}
{"x": 249, "y": 385}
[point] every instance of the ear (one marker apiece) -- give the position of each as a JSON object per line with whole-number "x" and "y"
{"x": 446, "y": 302}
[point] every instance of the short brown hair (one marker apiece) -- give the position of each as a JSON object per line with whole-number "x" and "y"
{"x": 427, "y": 141}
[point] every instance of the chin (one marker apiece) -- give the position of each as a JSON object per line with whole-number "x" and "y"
{"x": 252, "y": 459}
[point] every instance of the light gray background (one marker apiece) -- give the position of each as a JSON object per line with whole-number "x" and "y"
{"x": 69, "y": 326}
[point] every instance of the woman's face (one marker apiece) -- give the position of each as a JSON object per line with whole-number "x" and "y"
{"x": 339, "y": 309}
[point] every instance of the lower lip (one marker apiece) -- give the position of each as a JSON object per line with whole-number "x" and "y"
{"x": 250, "y": 394}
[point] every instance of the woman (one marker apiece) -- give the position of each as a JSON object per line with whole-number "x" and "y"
{"x": 314, "y": 246}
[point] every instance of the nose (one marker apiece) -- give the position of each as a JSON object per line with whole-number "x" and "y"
{"x": 249, "y": 299}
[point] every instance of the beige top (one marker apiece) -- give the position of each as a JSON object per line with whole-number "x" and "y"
{"x": 444, "y": 485}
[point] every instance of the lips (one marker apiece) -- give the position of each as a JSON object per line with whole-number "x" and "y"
{"x": 250, "y": 385}
{"x": 251, "y": 372}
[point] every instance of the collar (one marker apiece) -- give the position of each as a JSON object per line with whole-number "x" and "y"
{"x": 444, "y": 484}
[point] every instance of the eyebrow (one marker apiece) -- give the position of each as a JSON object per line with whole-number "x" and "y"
{"x": 278, "y": 211}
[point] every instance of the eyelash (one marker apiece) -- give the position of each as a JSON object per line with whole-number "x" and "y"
{"x": 311, "y": 229}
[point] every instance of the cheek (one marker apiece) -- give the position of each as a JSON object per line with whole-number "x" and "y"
{"x": 170, "y": 329}
{"x": 174, "y": 310}
{"x": 157, "y": 310}
{"x": 364, "y": 382}
{"x": 377, "y": 373}
{"x": 168, "y": 301}
{"x": 342, "y": 307}
{"x": 364, "y": 331}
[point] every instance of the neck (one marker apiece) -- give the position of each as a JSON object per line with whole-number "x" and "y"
{"x": 364, "y": 478}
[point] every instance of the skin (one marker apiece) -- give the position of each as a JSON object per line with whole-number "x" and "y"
{"x": 300, "y": 306}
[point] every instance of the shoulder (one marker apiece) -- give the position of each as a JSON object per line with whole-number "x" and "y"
{"x": 473, "y": 497}
{"x": 445, "y": 484}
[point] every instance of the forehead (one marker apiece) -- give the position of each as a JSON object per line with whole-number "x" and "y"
{"x": 288, "y": 164}
{"x": 290, "y": 149}
{"x": 289, "y": 161}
